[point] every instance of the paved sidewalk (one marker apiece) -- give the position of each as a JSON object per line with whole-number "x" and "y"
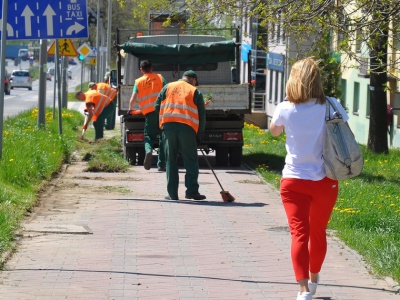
{"x": 113, "y": 236}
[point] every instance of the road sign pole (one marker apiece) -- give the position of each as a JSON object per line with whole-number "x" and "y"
{"x": 2, "y": 71}
{"x": 81, "y": 75}
{"x": 57, "y": 78}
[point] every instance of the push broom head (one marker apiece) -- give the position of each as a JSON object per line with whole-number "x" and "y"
{"x": 227, "y": 197}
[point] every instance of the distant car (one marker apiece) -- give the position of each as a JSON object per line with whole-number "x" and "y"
{"x": 48, "y": 76}
{"x": 51, "y": 73}
{"x": 72, "y": 61}
{"x": 7, "y": 88}
{"x": 23, "y": 54}
{"x": 21, "y": 78}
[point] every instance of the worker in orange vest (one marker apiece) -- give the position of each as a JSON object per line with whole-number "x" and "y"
{"x": 145, "y": 92}
{"x": 182, "y": 120}
{"x": 106, "y": 89}
{"x": 98, "y": 107}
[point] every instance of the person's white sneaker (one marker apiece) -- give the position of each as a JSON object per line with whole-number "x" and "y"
{"x": 304, "y": 296}
{"x": 312, "y": 286}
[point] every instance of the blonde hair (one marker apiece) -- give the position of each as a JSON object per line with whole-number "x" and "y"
{"x": 305, "y": 82}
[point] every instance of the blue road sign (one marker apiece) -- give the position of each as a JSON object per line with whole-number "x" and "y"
{"x": 46, "y": 19}
{"x": 93, "y": 53}
{"x": 275, "y": 61}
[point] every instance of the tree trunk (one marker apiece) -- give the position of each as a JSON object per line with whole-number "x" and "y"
{"x": 378, "y": 127}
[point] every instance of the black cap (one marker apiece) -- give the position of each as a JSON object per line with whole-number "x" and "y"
{"x": 191, "y": 74}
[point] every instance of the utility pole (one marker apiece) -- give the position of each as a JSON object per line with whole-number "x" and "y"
{"x": 109, "y": 35}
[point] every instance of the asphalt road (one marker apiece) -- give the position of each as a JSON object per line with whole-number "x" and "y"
{"x": 22, "y": 99}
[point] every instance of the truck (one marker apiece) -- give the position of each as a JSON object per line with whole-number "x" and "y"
{"x": 13, "y": 50}
{"x": 213, "y": 56}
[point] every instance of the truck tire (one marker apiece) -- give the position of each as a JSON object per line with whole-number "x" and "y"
{"x": 222, "y": 156}
{"x": 130, "y": 155}
{"x": 235, "y": 156}
{"x": 141, "y": 155}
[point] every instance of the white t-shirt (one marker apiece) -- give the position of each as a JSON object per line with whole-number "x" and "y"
{"x": 304, "y": 125}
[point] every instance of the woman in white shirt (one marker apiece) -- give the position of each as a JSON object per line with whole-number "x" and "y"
{"x": 308, "y": 196}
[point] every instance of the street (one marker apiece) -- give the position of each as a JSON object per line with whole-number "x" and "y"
{"x": 22, "y": 99}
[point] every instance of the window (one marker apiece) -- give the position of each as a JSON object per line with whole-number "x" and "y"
{"x": 176, "y": 67}
{"x": 368, "y": 102}
{"x": 344, "y": 91}
{"x": 356, "y": 98}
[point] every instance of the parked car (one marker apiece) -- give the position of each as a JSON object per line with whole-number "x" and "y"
{"x": 48, "y": 76}
{"x": 7, "y": 88}
{"x": 21, "y": 78}
{"x": 72, "y": 61}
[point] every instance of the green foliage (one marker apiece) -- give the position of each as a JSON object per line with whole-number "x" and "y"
{"x": 329, "y": 65}
{"x": 367, "y": 213}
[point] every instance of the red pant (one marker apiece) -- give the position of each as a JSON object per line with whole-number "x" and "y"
{"x": 308, "y": 205}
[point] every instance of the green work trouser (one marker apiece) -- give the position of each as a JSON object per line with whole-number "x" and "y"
{"x": 181, "y": 138}
{"x": 99, "y": 123}
{"x": 110, "y": 121}
{"x": 152, "y": 133}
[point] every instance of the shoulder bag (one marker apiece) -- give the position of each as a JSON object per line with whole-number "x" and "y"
{"x": 343, "y": 158}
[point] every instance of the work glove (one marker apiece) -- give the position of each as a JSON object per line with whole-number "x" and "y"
{"x": 134, "y": 112}
{"x": 84, "y": 127}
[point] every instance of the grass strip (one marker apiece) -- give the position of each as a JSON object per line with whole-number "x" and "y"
{"x": 30, "y": 157}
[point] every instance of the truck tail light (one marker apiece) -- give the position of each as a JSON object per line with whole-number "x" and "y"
{"x": 135, "y": 137}
{"x": 233, "y": 136}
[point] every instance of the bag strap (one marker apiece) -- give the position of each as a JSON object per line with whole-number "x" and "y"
{"x": 336, "y": 114}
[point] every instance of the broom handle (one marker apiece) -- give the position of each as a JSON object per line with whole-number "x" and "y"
{"x": 209, "y": 165}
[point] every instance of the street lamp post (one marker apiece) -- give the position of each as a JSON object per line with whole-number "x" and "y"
{"x": 98, "y": 42}
{"x": 109, "y": 35}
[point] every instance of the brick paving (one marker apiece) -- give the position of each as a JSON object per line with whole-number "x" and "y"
{"x": 119, "y": 239}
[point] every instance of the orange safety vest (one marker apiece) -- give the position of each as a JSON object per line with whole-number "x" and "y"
{"x": 99, "y": 100}
{"x": 148, "y": 86}
{"x": 106, "y": 89}
{"x": 178, "y": 105}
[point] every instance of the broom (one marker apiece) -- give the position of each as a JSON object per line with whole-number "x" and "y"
{"x": 226, "y": 196}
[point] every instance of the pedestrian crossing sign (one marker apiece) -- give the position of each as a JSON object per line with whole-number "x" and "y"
{"x": 65, "y": 48}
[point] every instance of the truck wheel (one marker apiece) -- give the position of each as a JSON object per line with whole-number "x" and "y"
{"x": 235, "y": 156}
{"x": 222, "y": 156}
{"x": 130, "y": 155}
{"x": 141, "y": 155}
